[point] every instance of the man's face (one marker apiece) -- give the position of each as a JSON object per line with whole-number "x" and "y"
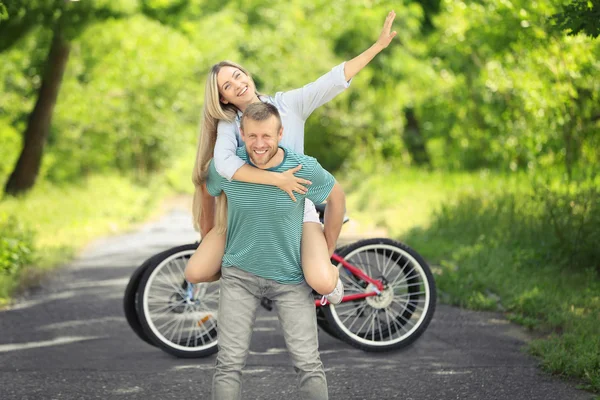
{"x": 262, "y": 139}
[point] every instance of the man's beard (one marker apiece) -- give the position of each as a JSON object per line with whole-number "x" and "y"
{"x": 265, "y": 159}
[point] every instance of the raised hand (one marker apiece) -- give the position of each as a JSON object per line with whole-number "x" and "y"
{"x": 386, "y": 36}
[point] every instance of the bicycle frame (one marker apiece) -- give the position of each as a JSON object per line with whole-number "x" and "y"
{"x": 359, "y": 273}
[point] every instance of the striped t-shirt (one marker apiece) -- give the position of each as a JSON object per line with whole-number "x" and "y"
{"x": 264, "y": 226}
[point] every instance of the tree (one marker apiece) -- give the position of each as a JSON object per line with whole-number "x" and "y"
{"x": 580, "y": 16}
{"x": 65, "y": 19}
{"x": 3, "y": 11}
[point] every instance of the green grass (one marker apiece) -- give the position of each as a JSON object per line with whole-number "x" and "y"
{"x": 403, "y": 199}
{"x": 64, "y": 219}
{"x": 61, "y": 219}
{"x": 502, "y": 243}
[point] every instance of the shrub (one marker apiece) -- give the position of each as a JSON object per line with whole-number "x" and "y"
{"x": 16, "y": 245}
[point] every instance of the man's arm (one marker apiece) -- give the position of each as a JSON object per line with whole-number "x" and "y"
{"x": 334, "y": 216}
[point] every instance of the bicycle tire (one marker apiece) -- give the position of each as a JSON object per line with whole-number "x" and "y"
{"x": 162, "y": 302}
{"x": 410, "y": 288}
{"x": 129, "y": 302}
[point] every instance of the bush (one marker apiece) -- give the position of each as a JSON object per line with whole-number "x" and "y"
{"x": 572, "y": 214}
{"x": 16, "y": 246}
{"x": 533, "y": 254}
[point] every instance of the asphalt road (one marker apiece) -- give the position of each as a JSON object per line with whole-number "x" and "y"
{"x": 69, "y": 340}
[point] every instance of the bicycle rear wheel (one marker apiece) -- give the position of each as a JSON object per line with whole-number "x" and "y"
{"x": 178, "y": 317}
{"x": 396, "y": 317}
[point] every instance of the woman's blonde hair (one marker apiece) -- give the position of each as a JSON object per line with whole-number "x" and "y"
{"x": 214, "y": 111}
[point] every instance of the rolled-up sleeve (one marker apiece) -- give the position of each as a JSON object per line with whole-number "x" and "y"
{"x": 226, "y": 160}
{"x": 306, "y": 99}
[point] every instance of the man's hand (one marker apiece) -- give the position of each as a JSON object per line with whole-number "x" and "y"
{"x": 386, "y": 36}
{"x": 290, "y": 183}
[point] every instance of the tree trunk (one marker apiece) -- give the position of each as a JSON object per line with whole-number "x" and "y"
{"x": 414, "y": 140}
{"x": 26, "y": 170}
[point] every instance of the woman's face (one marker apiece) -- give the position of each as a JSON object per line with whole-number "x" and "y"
{"x": 235, "y": 87}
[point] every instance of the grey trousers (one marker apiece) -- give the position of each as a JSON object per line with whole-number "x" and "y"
{"x": 239, "y": 299}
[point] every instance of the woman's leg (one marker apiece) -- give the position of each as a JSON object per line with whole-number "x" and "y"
{"x": 319, "y": 273}
{"x": 205, "y": 263}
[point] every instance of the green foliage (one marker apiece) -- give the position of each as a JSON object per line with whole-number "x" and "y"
{"x": 491, "y": 83}
{"x": 68, "y": 17}
{"x": 11, "y": 144}
{"x": 580, "y": 16}
{"x": 64, "y": 219}
{"x": 523, "y": 245}
{"x": 517, "y": 96}
{"x": 16, "y": 245}
{"x": 141, "y": 118}
{"x": 517, "y": 252}
{"x": 3, "y": 12}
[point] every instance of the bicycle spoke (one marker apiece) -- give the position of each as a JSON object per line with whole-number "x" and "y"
{"x": 366, "y": 320}
{"x": 169, "y": 285}
{"x": 377, "y": 261}
{"x": 396, "y": 324}
{"x": 166, "y": 309}
{"x": 356, "y": 311}
{"x": 389, "y": 260}
{"x": 354, "y": 284}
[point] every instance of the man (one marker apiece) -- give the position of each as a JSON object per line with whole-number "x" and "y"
{"x": 262, "y": 255}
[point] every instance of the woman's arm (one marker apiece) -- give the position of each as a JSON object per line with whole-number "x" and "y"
{"x": 285, "y": 181}
{"x": 230, "y": 166}
{"x": 353, "y": 67}
{"x": 305, "y": 100}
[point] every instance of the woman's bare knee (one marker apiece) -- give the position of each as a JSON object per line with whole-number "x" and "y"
{"x": 205, "y": 263}
{"x": 322, "y": 277}
{"x": 199, "y": 276}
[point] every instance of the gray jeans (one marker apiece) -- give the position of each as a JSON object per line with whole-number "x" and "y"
{"x": 239, "y": 299}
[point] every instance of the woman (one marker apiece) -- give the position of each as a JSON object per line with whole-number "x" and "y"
{"x": 229, "y": 90}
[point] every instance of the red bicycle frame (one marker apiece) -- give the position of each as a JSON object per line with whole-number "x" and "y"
{"x": 359, "y": 273}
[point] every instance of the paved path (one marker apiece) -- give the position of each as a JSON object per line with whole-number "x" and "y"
{"x": 69, "y": 340}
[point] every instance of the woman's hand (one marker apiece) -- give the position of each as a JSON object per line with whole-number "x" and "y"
{"x": 386, "y": 36}
{"x": 354, "y": 66}
{"x": 290, "y": 183}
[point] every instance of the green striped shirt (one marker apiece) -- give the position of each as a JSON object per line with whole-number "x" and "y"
{"x": 264, "y": 226}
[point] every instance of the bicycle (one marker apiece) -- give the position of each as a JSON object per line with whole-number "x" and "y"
{"x": 389, "y": 300}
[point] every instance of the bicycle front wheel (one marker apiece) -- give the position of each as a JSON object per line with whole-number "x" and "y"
{"x": 178, "y": 317}
{"x": 400, "y": 313}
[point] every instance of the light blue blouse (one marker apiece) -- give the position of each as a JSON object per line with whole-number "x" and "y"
{"x": 294, "y": 106}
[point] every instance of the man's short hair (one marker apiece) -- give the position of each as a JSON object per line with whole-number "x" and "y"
{"x": 260, "y": 112}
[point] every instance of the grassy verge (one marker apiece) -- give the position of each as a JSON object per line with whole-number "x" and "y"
{"x": 58, "y": 221}
{"x": 501, "y": 243}
{"x": 51, "y": 223}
